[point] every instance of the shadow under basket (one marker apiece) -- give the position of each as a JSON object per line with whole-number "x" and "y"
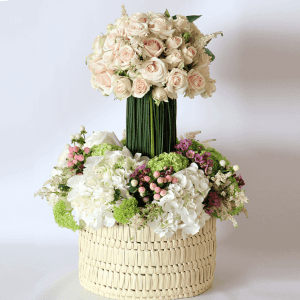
{"x": 146, "y": 267}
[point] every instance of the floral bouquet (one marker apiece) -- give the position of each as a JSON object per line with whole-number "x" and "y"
{"x": 100, "y": 182}
{"x": 152, "y": 52}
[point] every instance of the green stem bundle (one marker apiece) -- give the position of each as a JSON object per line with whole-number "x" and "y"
{"x": 150, "y": 129}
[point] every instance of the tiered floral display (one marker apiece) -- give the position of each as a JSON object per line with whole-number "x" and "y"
{"x": 98, "y": 181}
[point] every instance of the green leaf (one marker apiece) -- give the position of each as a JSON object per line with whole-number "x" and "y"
{"x": 193, "y": 18}
{"x": 167, "y": 14}
{"x": 174, "y": 17}
{"x": 208, "y": 52}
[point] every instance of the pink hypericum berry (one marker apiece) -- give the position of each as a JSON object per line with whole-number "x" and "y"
{"x": 86, "y": 150}
{"x": 157, "y": 189}
{"x": 74, "y": 161}
{"x": 79, "y": 174}
{"x": 156, "y": 174}
{"x": 80, "y": 157}
{"x": 147, "y": 178}
{"x": 165, "y": 180}
{"x": 142, "y": 190}
{"x": 156, "y": 197}
{"x": 152, "y": 186}
{"x": 70, "y": 164}
{"x": 160, "y": 180}
{"x": 70, "y": 155}
{"x": 163, "y": 192}
{"x": 169, "y": 178}
{"x": 174, "y": 180}
{"x": 146, "y": 199}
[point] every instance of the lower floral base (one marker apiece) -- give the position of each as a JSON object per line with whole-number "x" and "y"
{"x": 113, "y": 265}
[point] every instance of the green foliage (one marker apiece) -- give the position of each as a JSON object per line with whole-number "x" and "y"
{"x": 195, "y": 146}
{"x": 209, "y": 53}
{"x": 234, "y": 182}
{"x": 216, "y": 157}
{"x": 100, "y": 150}
{"x": 123, "y": 142}
{"x": 193, "y": 18}
{"x": 236, "y": 210}
{"x": 63, "y": 216}
{"x": 167, "y": 14}
{"x": 175, "y": 160}
{"x": 126, "y": 210}
{"x": 186, "y": 36}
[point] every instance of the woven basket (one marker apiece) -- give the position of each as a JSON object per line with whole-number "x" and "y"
{"x": 148, "y": 267}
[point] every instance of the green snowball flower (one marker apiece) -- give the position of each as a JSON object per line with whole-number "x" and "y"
{"x": 195, "y": 146}
{"x": 63, "y": 217}
{"x": 100, "y": 150}
{"x": 126, "y": 210}
{"x": 236, "y": 210}
{"x": 175, "y": 160}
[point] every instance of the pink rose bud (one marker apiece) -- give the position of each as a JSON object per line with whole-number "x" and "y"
{"x": 160, "y": 180}
{"x": 70, "y": 164}
{"x": 80, "y": 157}
{"x": 165, "y": 180}
{"x": 86, "y": 150}
{"x": 70, "y": 155}
{"x": 165, "y": 168}
{"x": 174, "y": 180}
{"x": 142, "y": 190}
{"x": 152, "y": 186}
{"x": 147, "y": 178}
{"x": 157, "y": 189}
{"x": 76, "y": 148}
{"x": 71, "y": 149}
{"x": 163, "y": 192}
{"x": 156, "y": 174}
{"x": 74, "y": 161}
{"x": 169, "y": 178}
{"x": 156, "y": 197}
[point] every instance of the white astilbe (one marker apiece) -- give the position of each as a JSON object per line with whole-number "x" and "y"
{"x": 203, "y": 41}
{"x": 93, "y": 191}
{"x": 182, "y": 205}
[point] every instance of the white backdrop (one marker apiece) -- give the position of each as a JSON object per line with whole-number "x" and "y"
{"x": 46, "y": 95}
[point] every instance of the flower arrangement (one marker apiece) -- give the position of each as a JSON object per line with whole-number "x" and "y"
{"x": 152, "y": 52}
{"x": 99, "y": 182}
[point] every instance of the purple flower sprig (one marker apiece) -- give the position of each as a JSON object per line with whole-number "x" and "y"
{"x": 213, "y": 202}
{"x": 240, "y": 181}
{"x": 203, "y": 161}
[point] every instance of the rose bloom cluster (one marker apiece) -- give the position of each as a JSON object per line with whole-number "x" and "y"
{"x": 150, "y": 51}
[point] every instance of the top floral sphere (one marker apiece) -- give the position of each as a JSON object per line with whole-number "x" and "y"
{"x": 152, "y": 51}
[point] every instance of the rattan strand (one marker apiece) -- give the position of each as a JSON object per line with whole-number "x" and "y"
{"x": 147, "y": 267}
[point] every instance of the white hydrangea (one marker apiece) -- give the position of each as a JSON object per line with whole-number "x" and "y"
{"x": 182, "y": 205}
{"x": 92, "y": 191}
{"x": 100, "y": 137}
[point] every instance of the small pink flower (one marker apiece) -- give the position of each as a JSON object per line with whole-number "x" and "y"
{"x": 165, "y": 180}
{"x": 86, "y": 150}
{"x": 156, "y": 197}
{"x": 147, "y": 178}
{"x": 169, "y": 178}
{"x": 74, "y": 161}
{"x": 70, "y": 155}
{"x": 156, "y": 174}
{"x": 79, "y": 174}
{"x": 174, "y": 180}
{"x": 71, "y": 149}
{"x": 80, "y": 157}
{"x": 163, "y": 192}
{"x": 142, "y": 190}
{"x": 76, "y": 148}
{"x": 146, "y": 199}
{"x": 157, "y": 189}
{"x": 70, "y": 164}
{"x": 160, "y": 180}
{"x": 152, "y": 186}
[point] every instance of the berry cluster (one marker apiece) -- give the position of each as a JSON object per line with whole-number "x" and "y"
{"x": 146, "y": 186}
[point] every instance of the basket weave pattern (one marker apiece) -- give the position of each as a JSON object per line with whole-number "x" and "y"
{"x": 146, "y": 267}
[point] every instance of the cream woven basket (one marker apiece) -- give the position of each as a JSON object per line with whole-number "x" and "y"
{"x": 148, "y": 267}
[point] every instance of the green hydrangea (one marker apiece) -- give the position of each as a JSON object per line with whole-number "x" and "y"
{"x": 100, "y": 150}
{"x": 216, "y": 157}
{"x": 236, "y": 185}
{"x": 63, "y": 216}
{"x": 195, "y": 146}
{"x": 175, "y": 160}
{"x": 126, "y": 210}
{"x": 123, "y": 142}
